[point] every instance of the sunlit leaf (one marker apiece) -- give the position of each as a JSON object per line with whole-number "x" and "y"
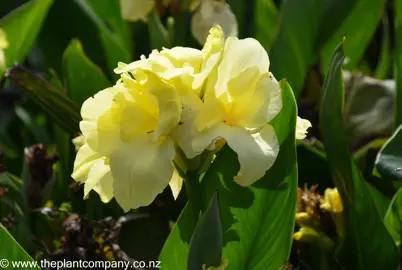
{"x": 21, "y": 27}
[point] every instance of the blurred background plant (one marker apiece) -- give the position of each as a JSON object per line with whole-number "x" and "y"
{"x": 55, "y": 54}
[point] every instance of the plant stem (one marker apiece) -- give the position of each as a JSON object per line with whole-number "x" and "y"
{"x": 193, "y": 189}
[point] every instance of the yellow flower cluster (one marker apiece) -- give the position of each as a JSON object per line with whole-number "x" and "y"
{"x": 178, "y": 98}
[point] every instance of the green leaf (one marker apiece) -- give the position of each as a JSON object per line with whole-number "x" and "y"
{"x": 258, "y": 220}
{"x": 175, "y": 250}
{"x": 266, "y": 17}
{"x": 206, "y": 243}
{"x": 82, "y": 77}
{"x": 365, "y": 233}
{"x": 384, "y": 62}
{"x": 333, "y": 15}
{"x": 262, "y": 215}
{"x": 22, "y": 26}
{"x": 239, "y": 8}
{"x": 157, "y": 32}
{"x": 109, "y": 11}
{"x": 358, "y": 28}
{"x": 398, "y": 62}
{"x": 393, "y": 218}
{"x": 294, "y": 48}
{"x": 101, "y": 44}
{"x": 389, "y": 159}
{"x": 11, "y": 251}
{"x": 64, "y": 111}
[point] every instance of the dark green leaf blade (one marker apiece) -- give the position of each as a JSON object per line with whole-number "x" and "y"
{"x": 389, "y": 159}
{"x": 206, "y": 243}
{"x": 21, "y": 27}
{"x": 11, "y": 251}
{"x": 64, "y": 111}
{"x": 358, "y": 28}
{"x": 398, "y": 61}
{"x": 294, "y": 49}
{"x": 266, "y": 17}
{"x": 393, "y": 218}
{"x": 175, "y": 250}
{"x": 83, "y": 78}
{"x": 365, "y": 233}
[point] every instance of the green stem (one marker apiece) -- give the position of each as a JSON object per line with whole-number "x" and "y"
{"x": 193, "y": 189}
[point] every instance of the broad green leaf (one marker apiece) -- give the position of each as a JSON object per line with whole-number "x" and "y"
{"x": 365, "y": 233}
{"x": 113, "y": 48}
{"x": 334, "y": 13}
{"x": 157, "y": 32}
{"x": 384, "y": 62}
{"x": 266, "y": 17}
{"x": 358, "y": 28}
{"x": 11, "y": 251}
{"x": 109, "y": 11}
{"x": 393, "y": 218}
{"x": 389, "y": 159}
{"x": 262, "y": 215}
{"x": 240, "y": 9}
{"x": 64, "y": 111}
{"x": 294, "y": 49}
{"x": 398, "y": 61}
{"x": 258, "y": 220}
{"x": 21, "y": 27}
{"x": 82, "y": 77}
{"x": 175, "y": 251}
{"x": 206, "y": 243}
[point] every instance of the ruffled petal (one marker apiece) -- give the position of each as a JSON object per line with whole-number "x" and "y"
{"x": 256, "y": 152}
{"x": 141, "y": 170}
{"x": 100, "y": 180}
{"x": 84, "y": 161}
{"x": 98, "y": 125}
{"x": 301, "y": 128}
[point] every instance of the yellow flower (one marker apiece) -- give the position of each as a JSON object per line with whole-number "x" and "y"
{"x": 301, "y": 128}
{"x": 3, "y": 44}
{"x": 186, "y": 69}
{"x": 210, "y": 13}
{"x": 128, "y": 152}
{"x": 332, "y": 201}
{"x": 134, "y": 10}
{"x": 241, "y": 97}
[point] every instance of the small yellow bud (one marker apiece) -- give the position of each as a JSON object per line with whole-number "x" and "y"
{"x": 332, "y": 201}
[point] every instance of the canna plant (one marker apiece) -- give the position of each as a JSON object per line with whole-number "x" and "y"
{"x": 160, "y": 132}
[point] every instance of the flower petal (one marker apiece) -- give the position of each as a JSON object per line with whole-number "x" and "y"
{"x": 301, "y": 128}
{"x": 98, "y": 124}
{"x": 238, "y": 56}
{"x": 263, "y": 105}
{"x": 176, "y": 184}
{"x": 256, "y": 152}
{"x": 84, "y": 161}
{"x": 169, "y": 104}
{"x": 100, "y": 180}
{"x": 141, "y": 170}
